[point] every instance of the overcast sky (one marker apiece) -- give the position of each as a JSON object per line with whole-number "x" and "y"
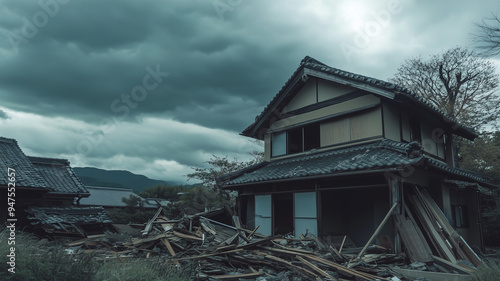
{"x": 156, "y": 87}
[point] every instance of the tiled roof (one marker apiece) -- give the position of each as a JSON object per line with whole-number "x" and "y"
{"x": 464, "y": 185}
{"x": 378, "y": 155}
{"x": 106, "y": 196}
{"x": 64, "y": 217}
{"x": 313, "y": 64}
{"x": 59, "y": 174}
{"x": 11, "y": 156}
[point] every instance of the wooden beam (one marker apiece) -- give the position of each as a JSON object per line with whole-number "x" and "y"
{"x": 186, "y": 236}
{"x": 170, "y": 250}
{"x": 435, "y": 276}
{"x": 377, "y": 231}
{"x": 451, "y": 266}
{"x": 347, "y": 271}
{"x": 416, "y": 248}
{"x": 237, "y": 276}
{"x": 210, "y": 255}
{"x": 315, "y": 268}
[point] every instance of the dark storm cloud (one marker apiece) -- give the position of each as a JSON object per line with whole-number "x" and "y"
{"x": 3, "y": 115}
{"x": 178, "y": 80}
{"x": 90, "y": 53}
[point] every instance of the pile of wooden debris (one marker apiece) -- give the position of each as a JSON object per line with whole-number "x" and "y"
{"x": 226, "y": 251}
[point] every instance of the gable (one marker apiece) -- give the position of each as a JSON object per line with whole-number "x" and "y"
{"x": 304, "y": 90}
{"x": 316, "y": 90}
{"x": 352, "y": 104}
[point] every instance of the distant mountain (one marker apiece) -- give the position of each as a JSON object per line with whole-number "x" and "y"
{"x": 113, "y": 178}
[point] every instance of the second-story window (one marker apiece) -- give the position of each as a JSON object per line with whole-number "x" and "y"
{"x": 296, "y": 140}
{"x": 295, "y": 143}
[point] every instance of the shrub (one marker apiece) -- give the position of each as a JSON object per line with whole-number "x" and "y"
{"x": 39, "y": 261}
{"x": 490, "y": 271}
{"x": 147, "y": 270}
{"x": 36, "y": 261}
{"x": 125, "y": 216}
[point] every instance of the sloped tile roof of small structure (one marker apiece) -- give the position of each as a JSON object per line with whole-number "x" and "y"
{"x": 60, "y": 216}
{"x": 59, "y": 174}
{"x": 11, "y": 156}
{"x": 381, "y": 154}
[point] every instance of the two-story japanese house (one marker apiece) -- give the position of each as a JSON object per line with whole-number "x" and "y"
{"x": 341, "y": 149}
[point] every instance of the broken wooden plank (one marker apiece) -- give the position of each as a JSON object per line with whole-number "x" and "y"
{"x": 439, "y": 241}
{"x": 386, "y": 218}
{"x": 150, "y": 222}
{"x": 417, "y": 249}
{"x": 315, "y": 268}
{"x": 280, "y": 260}
{"x": 207, "y": 228}
{"x": 473, "y": 257}
{"x": 237, "y": 276}
{"x": 336, "y": 253}
{"x": 342, "y": 245}
{"x": 231, "y": 240}
{"x": 138, "y": 241}
{"x": 448, "y": 231}
{"x": 254, "y": 243}
{"x": 187, "y": 236}
{"x": 170, "y": 250}
{"x": 253, "y": 232}
{"x": 346, "y": 271}
{"x": 435, "y": 276}
{"x": 297, "y": 250}
{"x": 451, "y": 266}
{"x": 301, "y": 270}
{"x": 289, "y": 251}
{"x": 210, "y": 255}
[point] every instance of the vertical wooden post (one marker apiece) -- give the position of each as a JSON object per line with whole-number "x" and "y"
{"x": 395, "y": 195}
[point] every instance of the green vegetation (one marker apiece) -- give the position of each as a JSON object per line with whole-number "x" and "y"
{"x": 132, "y": 213}
{"x": 488, "y": 272}
{"x": 492, "y": 221}
{"x": 169, "y": 192}
{"x": 217, "y": 166}
{"x": 40, "y": 260}
{"x": 125, "y": 216}
{"x": 483, "y": 156}
{"x": 143, "y": 270}
{"x": 35, "y": 260}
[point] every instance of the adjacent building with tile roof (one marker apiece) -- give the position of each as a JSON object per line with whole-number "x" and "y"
{"x": 341, "y": 149}
{"x": 38, "y": 181}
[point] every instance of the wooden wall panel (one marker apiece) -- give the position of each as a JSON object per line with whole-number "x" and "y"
{"x": 391, "y": 122}
{"x": 306, "y": 96}
{"x": 328, "y": 90}
{"x": 368, "y": 124}
{"x": 334, "y": 132}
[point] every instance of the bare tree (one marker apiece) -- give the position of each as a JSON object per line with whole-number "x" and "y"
{"x": 458, "y": 82}
{"x": 487, "y": 36}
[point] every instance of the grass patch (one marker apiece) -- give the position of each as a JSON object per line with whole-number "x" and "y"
{"x": 144, "y": 270}
{"x": 41, "y": 260}
{"x": 36, "y": 260}
{"x": 490, "y": 271}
